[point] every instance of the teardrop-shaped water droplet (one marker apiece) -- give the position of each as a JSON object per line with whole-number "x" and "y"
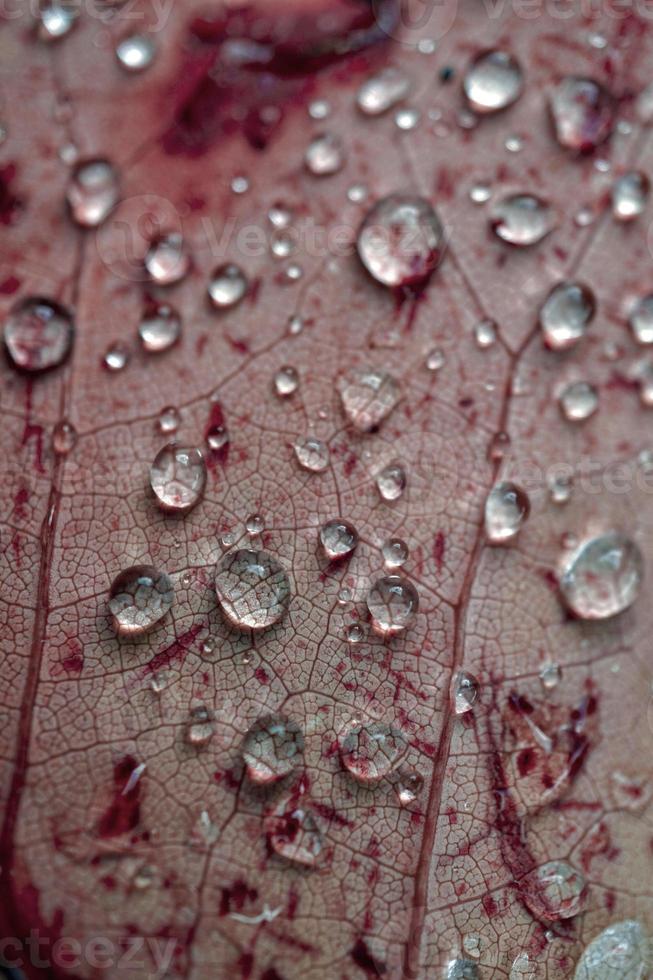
{"x": 522, "y": 219}
{"x": 272, "y": 748}
{"x": 506, "y": 510}
{"x": 382, "y": 91}
{"x": 227, "y": 286}
{"x": 167, "y": 260}
{"x": 136, "y": 52}
{"x": 619, "y": 952}
{"x": 603, "y": 576}
{"x": 253, "y": 589}
{"x": 116, "y": 357}
{"x": 338, "y": 539}
{"x": 140, "y": 596}
{"x": 178, "y": 477}
{"x": 217, "y": 437}
{"x": 200, "y": 726}
{"x": 641, "y": 320}
{"x": 565, "y": 314}
{"x": 400, "y": 241}
{"x": 408, "y": 787}
{"x": 92, "y": 192}
{"x": 392, "y": 603}
{"x": 493, "y": 81}
{"x": 395, "y": 553}
{"x": 56, "y": 18}
{"x": 553, "y": 891}
{"x": 464, "y": 692}
{"x": 368, "y": 396}
{"x": 286, "y": 381}
{"x": 550, "y": 676}
{"x": 583, "y": 113}
{"x": 324, "y": 155}
{"x": 168, "y": 420}
{"x": 38, "y": 334}
{"x": 293, "y": 830}
{"x": 371, "y": 750}
{"x": 460, "y": 969}
{"x": 160, "y": 328}
{"x": 312, "y": 454}
{"x": 579, "y": 401}
{"x": 64, "y": 437}
{"x": 391, "y": 482}
{"x": 629, "y": 195}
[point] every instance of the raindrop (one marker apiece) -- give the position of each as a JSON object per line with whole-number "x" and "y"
{"x": 584, "y": 217}
{"x": 435, "y": 359}
{"x": 293, "y": 831}
{"x": 550, "y": 676}
{"x": 382, "y": 91}
{"x": 400, "y": 241}
{"x": 506, "y": 510}
{"x": 319, "y": 109}
{"x": 553, "y": 891}
{"x": 92, "y": 192}
{"x": 169, "y": 420}
{"x": 493, "y": 81}
{"x": 217, "y": 437}
{"x": 408, "y": 787}
{"x": 312, "y": 454}
{"x": 116, "y": 358}
{"x": 583, "y": 113}
{"x": 391, "y": 482}
{"x": 480, "y": 193}
{"x": 253, "y": 589}
{"x": 514, "y": 144}
{"x": 294, "y": 272}
{"x": 338, "y": 539}
{"x": 239, "y": 184}
{"x": 282, "y": 245}
{"x": 485, "y": 333}
{"x": 368, "y": 397}
{"x": 279, "y": 217}
{"x": 167, "y": 260}
{"x": 38, "y": 334}
{"x": 200, "y": 726}
{"x": 565, "y": 314}
{"x": 136, "y": 52}
{"x": 629, "y": 195}
{"x": 64, "y": 437}
{"x": 406, "y": 119}
{"x": 641, "y": 320}
{"x": 621, "y": 951}
{"x": 140, "y": 596}
{"x": 392, "y": 603}
{"x": 464, "y": 692}
{"x": 68, "y": 153}
{"x": 355, "y": 633}
{"x": 579, "y": 401}
{"x": 603, "y": 576}
{"x": 56, "y": 18}
{"x": 324, "y": 155}
{"x": 227, "y": 286}
{"x": 295, "y": 324}
{"x": 178, "y": 477}
{"x": 522, "y": 219}
{"x": 160, "y": 328}
{"x": 357, "y": 193}
{"x": 286, "y": 381}
{"x": 254, "y": 524}
{"x": 460, "y": 969}
{"x": 208, "y": 647}
{"x": 560, "y": 488}
{"x": 370, "y": 751}
{"x": 395, "y": 553}
{"x": 272, "y": 748}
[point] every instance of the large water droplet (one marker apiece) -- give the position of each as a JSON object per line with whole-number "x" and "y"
{"x": 178, "y": 477}
{"x": 391, "y": 481}
{"x": 583, "y": 113}
{"x": 140, "y": 596}
{"x": 603, "y": 576}
{"x": 619, "y": 952}
{"x": 460, "y": 969}
{"x": 464, "y": 692}
{"x": 629, "y": 195}
{"x": 253, "y": 589}
{"x": 522, "y": 219}
{"x": 56, "y": 18}
{"x": 371, "y": 750}
{"x": 382, "y": 91}
{"x": 200, "y": 726}
{"x": 286, "y": 381}
{"x": 92, "y": 192}
{"x": 565, "y": 314}
{"x": 579, "y": 401}
{"x": 554, "y": 890}
{"x": 227, "y": 286}
{"x": 167, "y": 260}
{"x": 312, "y": 454}
{"x": 293, "y": 830}
{"x": 392, "y": 603}
{"x": 506, "y": 509}
{"x": 272, "y": 748}
{"x": 368, "y": 397}
{"x": 338, "y": 539}
{"x": 324, "y": 155}
{"x": 64, "y": 437}
{"x": 493, "y": 81}
{"x": 400, "y": 241}
{"x": 136, "y": 52}
{"x": 160, "y": 328}
{"x": 641, "y": 320}
{"x": 38, "y": 334}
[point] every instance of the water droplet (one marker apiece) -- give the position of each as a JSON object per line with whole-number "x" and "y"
{"x": 391, "y": 481}
{"x": 629, "y": 195}
{"x": 338, "y": 539}
{"x": 355, "y": 633}
{"x": 169, "y": 420}
{"x": 522, "y": 219}
{"x": 167, "y": 260}
{"x": 406, "y": 119}
{"x": 603, "y": 577}
{"x": 619, "y": 952}
{"x": 178, "y": 477}
{"x": 160, "y": 328}
{"x": 136, "y": 52}
{"x": 368, "y": 397}
{"x": 395, "y": 553}
{"x": 294, "y": 272}
{"x": 460, "y": 969}
{"x": 524, "y": 968}
{"x": 116, "y": 357}
{"x": 514, "y": 144}
{"x": 550, "y": 676}
{"x": 38, "y": 334}
{"x": 554, "y": 890}
{"x": 464, "y": 691}
{"x": 56, "y": 18}
{"x": 227, "y": 286}
{"x": 641, "y": 320}
{"x": 579, "y": 401}
{"x": 584, "y": 217}
{"x": 560, "y": 488}
{"x": 392, "y": 603}
{"x": 282, "y": 245}
{"x": 434, "y": 359}
{"x": 69, "y": 154}
{"x": 493, "y": 81}
{"x": 92, "y": 192}
{"x": 200, "y": 726}
{"x": 480, "y": 193}
{"x": 400, "y": 241}
{"x": 254, "y": 524}
{"x": 312, "y": 454}
{"x": 506, "y": 510}
{"x": 370, "y": 751}
{"x": 143, "y": 877}
{"x": 208, "y": 647}
{"x": 239, "y": 184}
{"x": 140, "y": 597}
{"x": 295, "y": 325}
{"x": 293, "y": 830}
{"x": 319, "y": 109}
{"x": 583, "y": 113}
{"x": 279, "y": 217}
{"x": 357, "y": 193}
{"x": 253, "y": 589}
{"x": 217, "y": 437}
{"x": 324, "y": 155}
{"x": 408, "y": 787}
{"x": 382, "y": 91}
{"x": 272, "y": 748}
{"x": 645, "y": 460}
{"x": 64, "y": 437}
{"x": 485, "y": 333}
{"x": 565, "y": 314}
{"x": 286, "y": 381}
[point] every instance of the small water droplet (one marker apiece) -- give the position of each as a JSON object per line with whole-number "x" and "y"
{"x": 406, "y": 119}
{"x": 400, "y": 241}
{"x": 368, "y": 396}
{"x": 464, "y": 692}
{"x": 116, "y": 357}
{"x": 408, "y": 787}
{"x": 254, "y": 525}
{"x": 480, "y": 193}
{"x": 395, "y": 553}
{"x": 295, "y": 325}
{"x": 143, "y": 877}
{"x": 357, "y": 193}
{"x": 554, "y": 890}
{"x": 239, "y": 184}
{"x": 391, "y": 481}
{"x": 493, "y": 81}
{"x": 370, "y": 751}
{"x": 560, "y": 488}
{"x": 550, "y": 676}
{"x": 140, "y": 597}
{"x": 217, "y": 437}
{"x": 392, "y": 603}
{"x": 227, "y": 286}
{"x": 292, "y": 829}
{"x": 56, "y": 18}
{"x": 522, "y": 219}
{"x": 579, "y": 401}
{"x": 294, "y": 272}
{"x": 460, "y": 969}
{"x": 168, "y": 420}
{"x": 619, "y": 952}
{"x": 583, "y": 113}
{"x": 355, "y": 633}
{"x": 514, "y": 144}
{"x": 565, "y": 314}
{"x": 64, "y": 437}
{"x": 253, "y": 589}
{"x": 312, "y": 454}
{"x": 382, "y": 91}
{"x": 629, "y": 195}
{"x": 286, "y": 381}
{"x": 282, "y": 245}
{"x": 324, "y": 155}
{"x": 38, "y": 334}
{"x": 178, "y": 477}
{"x": 485, "y": 333}
{"x": 603, "y": 576}
{"x": 167, "y": 260}
{"x": 92, "y": 192}
{"x": 272, "y": 748}
{"x": 584, "y": 217}
{"x": 279, "y": 216}
{"x": 227, "y": 540}
{"x": 208, "y": 647}
{"x": 136, "y": 52}
{"x": 435, "y": 359}
{"x": 506, "y": 510}
{"x": 427, "y": 45}
{"x": 200, "y": 726}
{"x": 69, "y": 154}
{"x": 338, "y": 539}
{"x": 160, "y": 328}
{"x": 641, "y": 320}
{"x": 319, "y": 109}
